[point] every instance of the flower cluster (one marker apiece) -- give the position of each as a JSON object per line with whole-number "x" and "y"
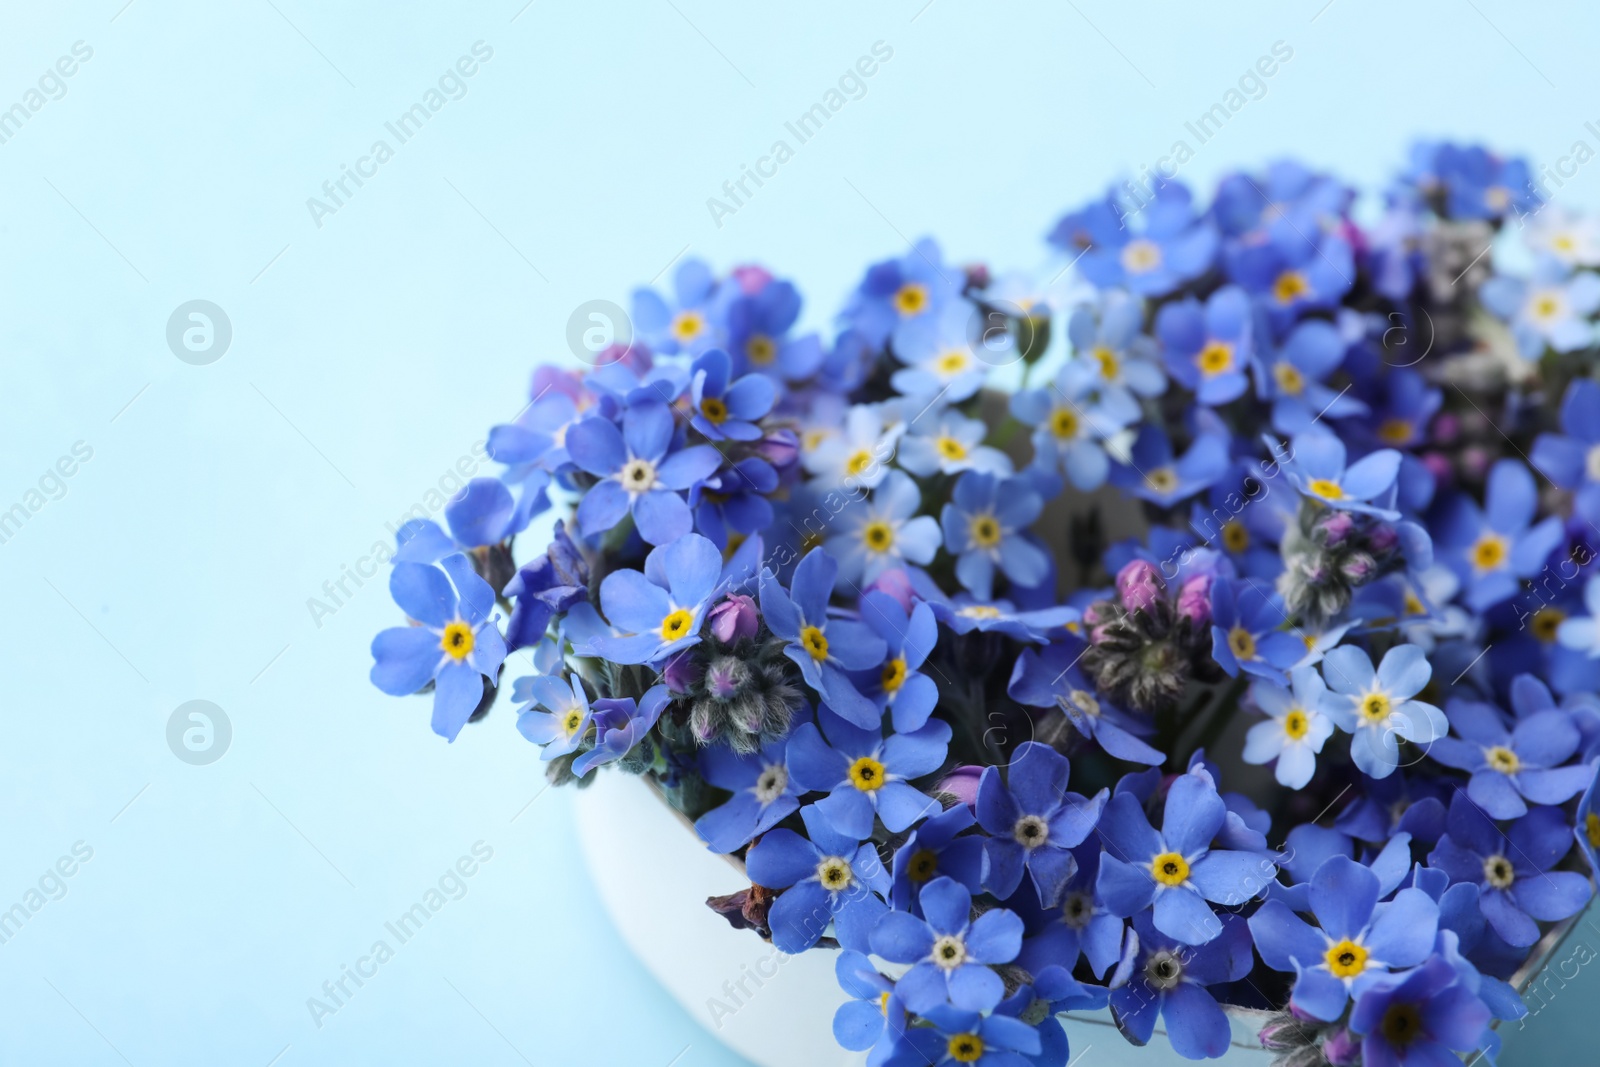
{"x": 1271, "y": 532}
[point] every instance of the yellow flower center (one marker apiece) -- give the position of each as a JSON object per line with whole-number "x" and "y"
{"x": 815, "y": 642}
{"x": 1214, "y": 358}
{"x": 834, "y": 874}
{"x": 1140, "y": 256}
{"x": 1545, "y": 306}
{"x": 1490, "y": 552}
{"x": 1110, "y": 366}
{"x": 858, "y": 462}
{"x": 1235, "y": 538}
{"x": 1346, "y": 959}
{"x": 1241, "y": 643}
{"x": 985, "y": 531}
{"x": 1289, "y": 378}
{"x": 952, "y": 362}
{"x": 1414, "y": 605}
{"x": 894, "y": 675}
{"x": 457, "y": 640}
{"x": 1375, "y": 707}
{"x": 1290, "y": 286}
{"x": 715, "y": 411}
{"x": 1395, "y": 431}
{"x": 866, "y": 774}
{"x": 571, "y": 721}
{"x": 911, "y": 298}
{"x": 924, "y": 863}
{"x": 1502, "y": 759}
{"x": 1326, "y": 489}
{"x": 966, "y": 1048}
{"x": 981, "y": 611}
{"x": 1563, "y": 243}
{"x": 1296, "y": 724}
{"x": 1547, "y": 623}
{"x": 1161, "y": 480}
{"x": 676, "y": 625}
{"x": 1498, "y": 872}
{"x": 1064, "y": 423}
{"x": 686, "y": 325}
{"x": 950, "y": 448}
{"x": 760, "y": 349}
{"x": 1169, "y": 868}
{"x": 1591, "y": 826}
{"x": 1401, "y": 1024}
{"x": 883, "y": 1002}
{"x": 878, "y": 535}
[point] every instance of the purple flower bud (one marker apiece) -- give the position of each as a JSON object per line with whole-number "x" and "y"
{"x": 722, "y": 681}
{"x": 1342, "y": 1049}
{"x": 1096, "y": 613}
{"x": 1336, "y": 526}
{"x": 681, "y": 672}
{"x": 1194, "y": 600}
{"x": 894, "y": 582}
{"x": 962, "y": 782}
{"x": 1139, "y": 585}
{"x": 1439, "y": 466}
{"x": 1383, "y": 538}
{"x": 1446, "y": 428}
{"x": 735, "y": 618}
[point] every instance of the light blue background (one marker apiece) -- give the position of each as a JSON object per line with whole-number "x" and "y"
{"x": 369, "y": 354}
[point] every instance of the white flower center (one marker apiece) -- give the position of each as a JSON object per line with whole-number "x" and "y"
{"x": 1077, "y": 910}
{"x": 773, "y": 781}
{"x": 637, "y": 475}
{"x": 1031, "y": 831}
{"x": 949, "y": 952}
{"x": 1163, "y": 970}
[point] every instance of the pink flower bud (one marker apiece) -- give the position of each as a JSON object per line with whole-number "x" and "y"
{"x": 781, "y": 448}
{"x": 896, "y": 583}
{"x": 1384, "y": 538}
{"x": 735, "y": 618}
{"x": 1194, "y": 600}
{"x": 1336, "y": 526}
{"x": 1139, "y": 585}
{"x": 750, "y": 278}
{"x": 1359, "y": 568}
{"x": 962, "y": 782}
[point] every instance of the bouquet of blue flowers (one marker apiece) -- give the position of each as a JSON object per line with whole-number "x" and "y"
{"x": 1207, "y": 623}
